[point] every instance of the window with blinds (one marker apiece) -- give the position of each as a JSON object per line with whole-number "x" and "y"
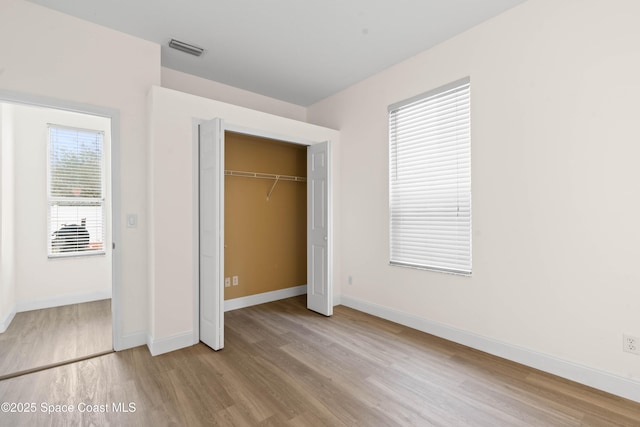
{"x": 430, "y": 180}
{"x": 75, "y": 192}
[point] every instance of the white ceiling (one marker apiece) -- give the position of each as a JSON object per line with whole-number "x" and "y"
{"x": 299, "y": 51}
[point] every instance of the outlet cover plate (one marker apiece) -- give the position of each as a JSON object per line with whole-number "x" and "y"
{"x": 630, "y": 344}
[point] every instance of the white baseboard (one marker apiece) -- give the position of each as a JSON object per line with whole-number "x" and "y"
{"x": 237, "y": 303}
{"x": 601, "y": 380}
{"x": 130, "y": 341}
{"x": 336, "y": 300}
{"x": 58, "y": 301}
{"x": 165, "y": 345}
{"x": 4, "y": 323}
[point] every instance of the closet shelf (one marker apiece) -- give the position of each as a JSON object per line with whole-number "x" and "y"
{"x": 265, "y": 176}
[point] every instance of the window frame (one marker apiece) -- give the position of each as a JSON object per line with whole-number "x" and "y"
{"x": 91, "y": 201}
{"x": 464, "y": 266}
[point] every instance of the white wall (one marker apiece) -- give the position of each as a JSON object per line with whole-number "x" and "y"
{"x": 556, "y": 189}
{"x": 171, "y": 202}
{"x": 195, "y": 85}
{"x": 49, "y": 54}
{"x": 40, "y": 281}
{"x": 7, "y": 218}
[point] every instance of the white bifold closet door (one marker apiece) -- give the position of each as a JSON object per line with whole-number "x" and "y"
{"x": 319, "y": 289}
{"x": 211, "y": 189}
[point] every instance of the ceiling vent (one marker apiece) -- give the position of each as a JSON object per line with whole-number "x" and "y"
{"x": 186, "y": 47}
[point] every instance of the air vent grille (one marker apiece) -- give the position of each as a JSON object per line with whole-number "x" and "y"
{"x": 186, "y": 47}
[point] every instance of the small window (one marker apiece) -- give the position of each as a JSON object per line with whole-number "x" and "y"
{"x": 430, "y": 180}
{"x": 75, "y": 192}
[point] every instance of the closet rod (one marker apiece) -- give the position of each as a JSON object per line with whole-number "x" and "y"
{"x": 265, "y": 176}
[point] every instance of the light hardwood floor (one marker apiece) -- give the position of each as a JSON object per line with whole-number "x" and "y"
{"x": 285, "y": 366}
{"x": 53, "y": 335}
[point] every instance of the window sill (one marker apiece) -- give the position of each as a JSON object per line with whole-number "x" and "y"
{"x": 434, "y": 269}
{"x": 76, "y": 255}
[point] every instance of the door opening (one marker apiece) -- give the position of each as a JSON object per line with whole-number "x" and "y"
{"x": 58, "y": 269}
{"x": 214, "y": 242}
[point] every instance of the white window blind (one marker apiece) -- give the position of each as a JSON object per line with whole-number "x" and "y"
{"x": 430, "y": 180}
{"x": 75, "y": 192}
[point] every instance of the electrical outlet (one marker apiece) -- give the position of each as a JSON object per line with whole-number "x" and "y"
{"x": 631, "y": 344}
{"x": 227, "y": 282}
{"x": 235, "y": 280}
{"x": 350, "y": 280}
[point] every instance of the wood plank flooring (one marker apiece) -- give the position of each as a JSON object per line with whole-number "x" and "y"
{"x": 53, "y": 335}
{"x": 285, "y": 366}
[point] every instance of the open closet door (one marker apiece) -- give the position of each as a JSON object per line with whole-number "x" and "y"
{"x": 319, "y": 289}
{"x": 211, "y": 203}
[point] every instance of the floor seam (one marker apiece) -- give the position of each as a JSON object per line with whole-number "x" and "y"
{"x": 54, "y": 365}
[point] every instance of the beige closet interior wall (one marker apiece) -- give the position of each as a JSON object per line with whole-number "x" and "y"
{"x": 265, "y": 240}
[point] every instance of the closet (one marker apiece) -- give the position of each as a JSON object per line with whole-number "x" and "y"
{"x": 186, "y": 189}
{"x": 265, "y": 211}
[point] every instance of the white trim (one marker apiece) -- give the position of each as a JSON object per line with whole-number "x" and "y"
{"x": 243, "y": 302}
{"x": 165, "y": 345}
{"x": 131, "y": 340}
{"x": 267, "y": 135}
{"x": 195, "y": 197}
{"x": 118, "y": 338}
{"x": 588, "y": 376}
{"x": 4, "y": 324}
{"x": 330, "y": 233}
{"x": 337, "y": 300}
{"x": 62, "y": 300}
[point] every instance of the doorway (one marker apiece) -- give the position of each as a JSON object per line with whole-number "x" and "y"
{"x": 265, "y": 204}
{"x": 56, "y": 260}
{"x": 212, "y": 242}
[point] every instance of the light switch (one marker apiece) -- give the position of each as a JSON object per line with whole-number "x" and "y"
{"x": 132, "y": 221}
